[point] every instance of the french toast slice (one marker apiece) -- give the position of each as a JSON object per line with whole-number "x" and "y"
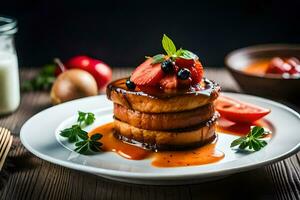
{"x": 155, "y": 100}
{"x": 167, "y": 140}
{"x": 164, "y": 121}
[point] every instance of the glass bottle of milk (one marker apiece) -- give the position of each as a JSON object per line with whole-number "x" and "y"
{"x": 9, "y": 73}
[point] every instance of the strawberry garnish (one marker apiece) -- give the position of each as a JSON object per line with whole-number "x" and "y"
{"x": 169, "y": 82}
{"x": 147, "y": 73}
{"x": 181, "y": 62}
{"x": 194, "y": 66}
{"x": 196, "y": 72}
{"x": 196, "y": 78}
{"x": 179, "y": 68}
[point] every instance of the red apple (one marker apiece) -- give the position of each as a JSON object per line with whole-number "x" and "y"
{"x": 100, "y": 71}
{"x": 81, "y": 62}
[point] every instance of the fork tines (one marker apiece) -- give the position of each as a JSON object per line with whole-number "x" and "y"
{"x": 5, "y": 144}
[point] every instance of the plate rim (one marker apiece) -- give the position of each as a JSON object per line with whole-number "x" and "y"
{"x": 165, "y": 175}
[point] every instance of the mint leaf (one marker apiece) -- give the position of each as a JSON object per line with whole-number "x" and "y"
{"x": 171, "y": 51}
{"x": 182, "y": 53}
{"x": 158, "y": 58}
{"x": 168, "y": 45}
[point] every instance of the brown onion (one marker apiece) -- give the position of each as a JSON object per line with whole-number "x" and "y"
{"x": 73, "y": 84}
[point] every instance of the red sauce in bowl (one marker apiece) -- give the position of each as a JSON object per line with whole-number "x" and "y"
{"x": 280, "y": 67}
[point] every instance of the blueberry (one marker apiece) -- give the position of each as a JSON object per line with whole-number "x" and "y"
{"x": 184, "y": 74}
{"x": 167, "y": 66}
{"x": 130, "y": 85}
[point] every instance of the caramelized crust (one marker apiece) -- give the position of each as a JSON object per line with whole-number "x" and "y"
{"x": 162, "y": 103}
{"x": 180, "y": 138}
{"x": 164, "y": 121}
{"x": 150, "y": 105}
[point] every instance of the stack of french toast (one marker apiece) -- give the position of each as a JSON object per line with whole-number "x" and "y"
{"x": 164, "y": 122}
{"x": 166, "y": 103}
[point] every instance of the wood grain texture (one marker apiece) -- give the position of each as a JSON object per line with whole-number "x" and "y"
{"x": 32, "y": 178}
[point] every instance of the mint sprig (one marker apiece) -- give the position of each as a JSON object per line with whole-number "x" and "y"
{"x": 172, "y": 52}
{"x": 253, "y": 140}
{"x": 168, "y": 45}
{"x": 159, "y": 58}
{"x": 186, "y": 54}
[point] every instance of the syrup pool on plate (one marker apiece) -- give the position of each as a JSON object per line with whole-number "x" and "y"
{"x": 198, "y": 156}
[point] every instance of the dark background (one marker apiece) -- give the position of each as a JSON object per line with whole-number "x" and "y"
{"x": 122, "y": 32}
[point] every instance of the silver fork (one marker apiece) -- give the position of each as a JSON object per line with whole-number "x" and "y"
{"x": 5, "y": 144}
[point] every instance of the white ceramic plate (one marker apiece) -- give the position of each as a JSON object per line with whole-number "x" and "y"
{"x": 40, "y": 135}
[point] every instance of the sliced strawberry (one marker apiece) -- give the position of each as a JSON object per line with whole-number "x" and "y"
{"x": 196, "y": 72}
{"x": 169, "y": 82}
{"x": 147, "y": 74}
{"x": 195, "y": 75}
{"x": 181, "y": 62}
{"x": 199, "y": 68}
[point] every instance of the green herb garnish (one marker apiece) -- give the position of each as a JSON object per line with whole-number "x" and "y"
{"x": 89, "y": 144}
{"x": 84, "y": 144}
{"x": 43, "y": 80}
{"x": 253, "y": 140}
{"x": 74, "y": 133}
{"x": 172, "y": 52}
{"x": 168, "y": 45}
{"x": 186, "y": 54}
{"x": 159, "y": 58}
{"x": 85, "y": 119}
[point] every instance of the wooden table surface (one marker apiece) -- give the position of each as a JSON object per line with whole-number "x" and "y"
{"x": 27, "y": 177}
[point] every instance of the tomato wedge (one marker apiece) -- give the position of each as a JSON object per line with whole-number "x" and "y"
{"x": 238, "y": 111}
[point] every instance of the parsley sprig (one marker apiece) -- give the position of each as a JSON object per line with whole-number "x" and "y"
{"x": 74, "y": 133}
{"x": 89, "y": 144}
{"x": 42, "y": 81}
{"x": 172, "y": 52}
{"x": 85, "y": 119}
{"x": 253, "y": 140}
{"x": 84, "y": 144}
